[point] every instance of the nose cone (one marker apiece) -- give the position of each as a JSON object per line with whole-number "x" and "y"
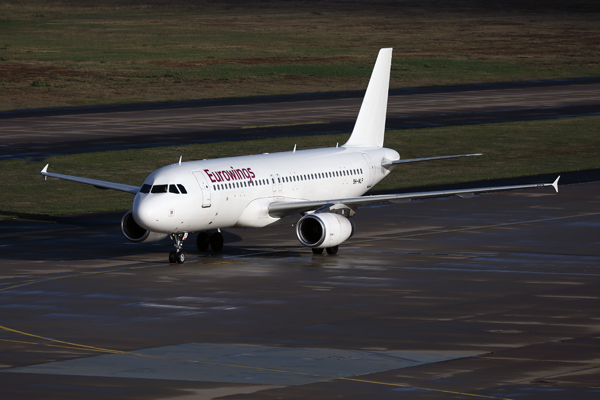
{"x": 146, "y": 212}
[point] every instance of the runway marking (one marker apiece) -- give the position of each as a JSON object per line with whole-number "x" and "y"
{"x": 428, "y": 389}
{"x": 31, "y": 282}
{"x": 71, "y": 345}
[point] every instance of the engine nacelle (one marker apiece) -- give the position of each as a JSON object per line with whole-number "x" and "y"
{"x": 324, "y": 230}
{"x": 132, "y": 231}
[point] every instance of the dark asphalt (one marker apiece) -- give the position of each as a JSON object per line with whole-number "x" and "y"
{"x": 41, "y": 133}
{"x": 492, "y": 296}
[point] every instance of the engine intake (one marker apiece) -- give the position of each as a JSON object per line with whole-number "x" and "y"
{"x": 324, "y": 230}
{"x": 135, "y": 233}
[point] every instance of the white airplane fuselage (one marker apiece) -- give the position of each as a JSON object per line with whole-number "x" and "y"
{"x": 236, "y": 191}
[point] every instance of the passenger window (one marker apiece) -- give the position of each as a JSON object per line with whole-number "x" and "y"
{"x": 181, "y": 188}
{"x": 173, "y": 189}
{"x": 159, "y": 189}
{"x": 145, "y": 188}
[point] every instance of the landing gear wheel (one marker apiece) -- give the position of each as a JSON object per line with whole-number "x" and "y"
{"x": 216, "y": 241}
{"x": 178, "y": 256}
{"x": 317, "y": 250}
{"x": 332, "y": 250}
{"x": 203, "y": 241}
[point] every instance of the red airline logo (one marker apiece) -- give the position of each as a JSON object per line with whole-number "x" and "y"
{"x": 230, "y": 175}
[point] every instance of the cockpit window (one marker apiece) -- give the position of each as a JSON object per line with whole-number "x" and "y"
{"x": 145, "y": 188}
{"x": 181, "y": 188}
{"x": 173, "y": 189}
{"x": 159, "y": 189}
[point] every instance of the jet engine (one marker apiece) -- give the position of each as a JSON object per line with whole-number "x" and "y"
{"x": 132, "y": 231}
{"x": 324, "y": 230}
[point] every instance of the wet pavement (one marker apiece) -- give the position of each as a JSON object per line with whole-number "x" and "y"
{"x": 491, "y": 297}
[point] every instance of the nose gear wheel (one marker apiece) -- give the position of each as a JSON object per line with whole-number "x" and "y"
{"x": 178, "y": 256}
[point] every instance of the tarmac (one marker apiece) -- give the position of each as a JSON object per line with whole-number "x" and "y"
{"x": 491, "y": 297}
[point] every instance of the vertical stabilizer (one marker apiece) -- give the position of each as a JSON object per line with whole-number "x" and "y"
{"x": 370, "y": 124}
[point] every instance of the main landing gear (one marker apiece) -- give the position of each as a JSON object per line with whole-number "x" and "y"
{"x": 330, "y": 250}
{"x": 178, "y": 256}
{"x": 214, "y": 239}
{"x": 205, "y": 239}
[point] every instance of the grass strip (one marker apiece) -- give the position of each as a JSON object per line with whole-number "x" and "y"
{"x": 510, "y": 149}
{"x": 57, "y": 53}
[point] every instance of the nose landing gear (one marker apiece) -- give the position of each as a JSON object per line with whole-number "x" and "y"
{"x": 178, "y": 256}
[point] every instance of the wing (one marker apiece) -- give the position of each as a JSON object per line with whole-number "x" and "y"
{"x": 387, "y": 163}
{"x": 94, "y": 182}
{"x": 281, "y": 209}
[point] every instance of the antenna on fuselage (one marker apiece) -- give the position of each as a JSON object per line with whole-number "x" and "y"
{"x": 180, "y": 157}
{"x": 294, "y": 149}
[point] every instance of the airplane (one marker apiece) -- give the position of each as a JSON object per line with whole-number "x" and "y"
{"x": 317, "y": 190}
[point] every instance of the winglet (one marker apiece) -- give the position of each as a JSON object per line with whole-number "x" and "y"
{"x": 555, "y": 184}
{"x": 44, "y": 171}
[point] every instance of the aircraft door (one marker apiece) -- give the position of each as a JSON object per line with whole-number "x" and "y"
{"x": 273, "y": 183}
{"x": 370, "y": 173}
{"x": 204, "y": 186}
{"x": 279, "y": 182}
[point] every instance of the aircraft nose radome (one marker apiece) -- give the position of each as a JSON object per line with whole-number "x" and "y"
{"x": 145, "y": 213}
